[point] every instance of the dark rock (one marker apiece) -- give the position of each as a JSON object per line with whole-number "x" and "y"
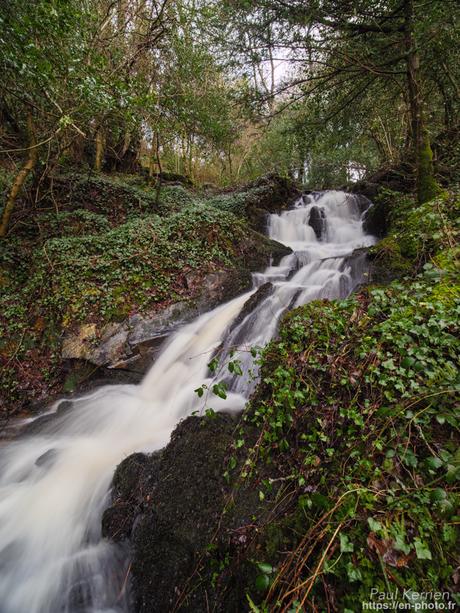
{"x": 182, "y": 515}
{"x": 133, "y": 483}
{"x": 269, "y": 194}
{"x": 172, "y": 504}
{"x": 265, "y": 251}
{"x": 318, "y": 222}
{"x": 375, "y": 220}
{"x": 37, "y": 426}
{"x": 387, "y": 262}
{"x": 363, "y": 203}
{"x": 252, "y": 303}
{"x": 47, "y": 458}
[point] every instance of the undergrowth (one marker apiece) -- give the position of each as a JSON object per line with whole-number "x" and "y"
{"x": 100, "y": 250}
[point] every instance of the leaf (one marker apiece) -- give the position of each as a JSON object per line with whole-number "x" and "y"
{"x": 354, "y": 574}
{"x": 262, "y": 583}
{"x": 265, "y": 568}
{"x": 449, "y": 534}
{"x": 410, "y": 458}
{"x": 345, "y": 545}
{"x": 220, "y": 389}
{"x": 433, "y": 462}
{"x": 374, "y": 525}
{"x": 213, "y": 364}
{"x": 407, "y": 362}
{"x": 422, "y": 550}
{"x": 438, "y": 495}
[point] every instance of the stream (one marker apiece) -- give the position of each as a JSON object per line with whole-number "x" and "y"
{"x": 55, "y": 484}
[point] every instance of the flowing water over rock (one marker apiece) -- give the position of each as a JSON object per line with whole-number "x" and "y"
{"x": 54, "y": 483}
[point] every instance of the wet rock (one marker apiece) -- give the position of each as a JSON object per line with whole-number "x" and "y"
{"x": 375, "y": 220}
{"x": 132, "y": 486}
{"x": 171, "y": 536}
{"x": 134, "y": 344}
{"x": 252, "y": 303}
{"x": 363, "y": 203}
{"x": 318, "y": 222}
{"x": 269, "y": 194}
{"x": 172, "y": 506}
{"x": 47, "y": 458}
{"x": 78, "y": 345}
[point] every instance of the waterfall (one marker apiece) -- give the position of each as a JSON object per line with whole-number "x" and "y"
{"x": 54, "y": 483}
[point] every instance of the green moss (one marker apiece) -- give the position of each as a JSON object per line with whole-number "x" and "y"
{"x": 427, "y": 187}
{"x": 388, "y": 262}
{"x": 420, "y": 232}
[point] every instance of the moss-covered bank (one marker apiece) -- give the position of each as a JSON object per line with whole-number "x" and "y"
{"x": 100, "y": 249}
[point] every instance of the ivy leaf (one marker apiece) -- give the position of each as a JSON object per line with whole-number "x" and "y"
{"x": 199, "y": 391}
{"x": 345, "y": 545}
{"x": 262, "y": 583}
{"x": 433, "y": 462}
{"x": 422, "y": 550}
{"x": 220, "y": 389}
{"x": 213, "y": 364}
{"x": 354, "y": 574}
{"x": 265, "y": 568}
{"x": 374, "y": 525}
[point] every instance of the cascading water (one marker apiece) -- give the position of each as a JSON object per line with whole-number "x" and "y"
{"x": 54, "y": 484}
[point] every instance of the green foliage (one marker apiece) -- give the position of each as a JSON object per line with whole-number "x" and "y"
{"x": 418, "y": 233}
{"x": 358, "y": 402}
{"x": 102, "y": 256}
{"x": 71, "y": 223}
{"x": 237, "y": 202}
{"x": 424, "y": 230}
{"x": 357, "y": 409}
{"x": 174, "y": 198}
{"x": 132, "y": 266}
{"x": 104, "y": 195}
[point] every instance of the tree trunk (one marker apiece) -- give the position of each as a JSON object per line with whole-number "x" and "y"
{"x": 160, "y": 170}
{"x": 20, "y": 177}
{"x": 426, "y": 184}
{"x": 99, "y": 159}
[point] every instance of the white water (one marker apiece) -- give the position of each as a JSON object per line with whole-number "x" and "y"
{"x": 52, "y": 557}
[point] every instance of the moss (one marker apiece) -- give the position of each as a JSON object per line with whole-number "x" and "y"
{"x": 387, "y": 261}
{"x": 420, "y": 231}
{"x": 427, "y": 186}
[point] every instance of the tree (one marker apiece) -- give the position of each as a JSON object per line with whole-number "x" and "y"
{"x": 343, "y": 50}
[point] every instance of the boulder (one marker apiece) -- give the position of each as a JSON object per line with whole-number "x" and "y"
{"x": 318, "y": 222}
{"x": 133, "y": 344}
{"x": 375, "y": 220}
{"x": 170, "y": 504}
